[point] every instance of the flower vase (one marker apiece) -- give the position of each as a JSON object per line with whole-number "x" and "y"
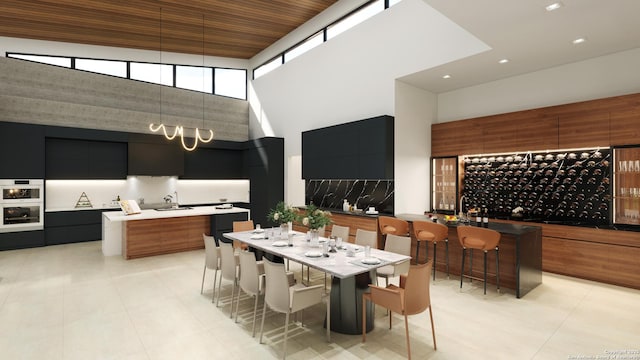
{"x": 284, "y": 231}
{"x": 315, "y": 237}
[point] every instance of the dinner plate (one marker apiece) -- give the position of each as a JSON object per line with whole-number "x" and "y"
{"x": 280, "y": 243}
{"x": 257, "y": 236}
{"x": 371, "y": 261}
{"x": 312, "y": 253}
{"x": 258, "y": 231}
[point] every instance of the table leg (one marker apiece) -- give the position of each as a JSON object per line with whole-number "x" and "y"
{"x": 346, "y": 304}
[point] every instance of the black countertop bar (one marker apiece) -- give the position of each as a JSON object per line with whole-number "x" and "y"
{"x": 503, "y": 228}
{"x": 522, "y": 247}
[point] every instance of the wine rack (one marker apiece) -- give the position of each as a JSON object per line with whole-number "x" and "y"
{"x": 565, "y": 187}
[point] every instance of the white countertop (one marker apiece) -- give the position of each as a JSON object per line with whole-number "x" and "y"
{"x": 154, "y": 214}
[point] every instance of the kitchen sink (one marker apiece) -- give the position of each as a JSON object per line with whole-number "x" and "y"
{"x": 173, "y": 208}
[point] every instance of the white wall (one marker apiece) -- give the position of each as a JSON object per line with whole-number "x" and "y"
{"x": 352, "y": 76}
{"x": 415, "y": 110}
{"x": 606, "y": 76}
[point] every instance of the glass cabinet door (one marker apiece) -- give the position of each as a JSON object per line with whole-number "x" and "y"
{"x": 626, "y": 186}
{"x": 444, "y": 184}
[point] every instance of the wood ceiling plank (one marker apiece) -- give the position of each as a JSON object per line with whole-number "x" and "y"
{"x": 237, "y": 29}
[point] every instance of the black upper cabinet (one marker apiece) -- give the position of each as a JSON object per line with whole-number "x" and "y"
{"x": 21, "y": 151}
{"x": 156, "y": 159}
{"x": 208, "y": 163}
{"x": 85, "y": 159}
{"x": 357, "y": 150}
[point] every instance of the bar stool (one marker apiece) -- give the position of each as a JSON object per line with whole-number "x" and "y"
{"x": 428, "y": 231}
{"x": 391, "y": 225}
{"x": 482, "y": 239}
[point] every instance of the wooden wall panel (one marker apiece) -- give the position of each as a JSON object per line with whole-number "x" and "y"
{"x": 584, "y": 129}
{"x": 458, "y": 137}
{"x": 498, "y": 133}
{"x": 537, "y": 132}
{"x": 601, "y": 122}
{"x": 624, "y": 127}
{"x": 163, "y": 236}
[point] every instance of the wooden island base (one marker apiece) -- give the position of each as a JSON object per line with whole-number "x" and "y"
{"x": 150, "y": 237}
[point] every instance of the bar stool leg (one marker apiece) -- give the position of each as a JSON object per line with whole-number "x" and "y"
{"x": 498, "y": 268}
{"x": 434, "y": 260}
{"x": 471, "y": 261}
{"x": 417, "y": 251}
{"x": 462, "y": 268}
{"x": 446, "y": 249}
{"x": 485, "y": 272}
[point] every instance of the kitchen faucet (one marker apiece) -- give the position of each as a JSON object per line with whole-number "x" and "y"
{"x": 177, "y": 202}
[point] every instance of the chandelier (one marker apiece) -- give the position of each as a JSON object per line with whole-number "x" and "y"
{"x": 179, "y": 130}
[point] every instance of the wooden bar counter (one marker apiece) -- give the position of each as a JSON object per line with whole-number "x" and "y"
{"x": 520, "y": 255}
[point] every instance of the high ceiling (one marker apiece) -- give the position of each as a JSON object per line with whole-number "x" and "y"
{"x": 521, "y": 31}
{"x": 531, "y": 37}
{"x": 236, "y": 29}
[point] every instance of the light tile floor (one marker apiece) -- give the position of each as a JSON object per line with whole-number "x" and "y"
{"x": 70, "y": 302}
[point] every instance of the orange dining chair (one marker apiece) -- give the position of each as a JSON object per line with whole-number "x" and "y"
{"x": 241, "y": 226}
{"x": 429, "y": 231}
{"x": 412, "y": 297}
{"x": 472, "y": 237}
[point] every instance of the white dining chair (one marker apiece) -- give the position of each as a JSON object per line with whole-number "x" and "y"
{"x": 229, "y": 270}
{"x": 340, "y": 232}
{"x": 282, "y": 298}
{"x": 399, "y": 245}
{"x": 367, "y": 238}
{"x": 251, "y": 282}
{"x": 211, "y": 261}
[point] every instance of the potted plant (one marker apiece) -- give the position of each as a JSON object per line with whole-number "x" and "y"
{"x": 315, "y": 218}
{"x": 284, "y": 215}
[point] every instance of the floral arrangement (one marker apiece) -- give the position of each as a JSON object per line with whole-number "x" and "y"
{"x": 315, "y": 218}
{"x": 283, "y": 213}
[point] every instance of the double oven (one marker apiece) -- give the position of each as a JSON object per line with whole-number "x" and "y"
{"x": 22, "y": 205}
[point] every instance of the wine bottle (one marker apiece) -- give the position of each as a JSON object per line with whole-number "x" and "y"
{"x": 485, "y": 218}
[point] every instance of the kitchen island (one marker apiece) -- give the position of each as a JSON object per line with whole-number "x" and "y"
{"x": 153, "y": 232}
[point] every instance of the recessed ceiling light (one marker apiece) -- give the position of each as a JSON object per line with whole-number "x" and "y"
{"x": 554, "y": 6}
{"x": 579, "y": 40}
{"x": 503, "y": 61}
{"x": 446, "y": 76}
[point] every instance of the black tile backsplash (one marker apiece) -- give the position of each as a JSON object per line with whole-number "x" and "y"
{"x": 330, "y": 194}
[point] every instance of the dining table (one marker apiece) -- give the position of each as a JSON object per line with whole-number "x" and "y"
{"x": 350, "y": 270}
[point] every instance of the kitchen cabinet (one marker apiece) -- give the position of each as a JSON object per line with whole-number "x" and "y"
{"x": 444, "y": 184}
{"x": 161, "y": 158}
{"x": 357, "y": 150}
{"x": 85, "y": 159}
{"x": 223, "y": 223}
{"x": 213, "y": 163}
{"x": 21, "y": 240}
{"x": 64, "y": 227}
{"x": 163, "y": 236}
{"x": 264, "y": 166}
{"x": 21, "y": 151}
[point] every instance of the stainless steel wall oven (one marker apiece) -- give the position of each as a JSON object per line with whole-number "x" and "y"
{"x": 22, "y": 205}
